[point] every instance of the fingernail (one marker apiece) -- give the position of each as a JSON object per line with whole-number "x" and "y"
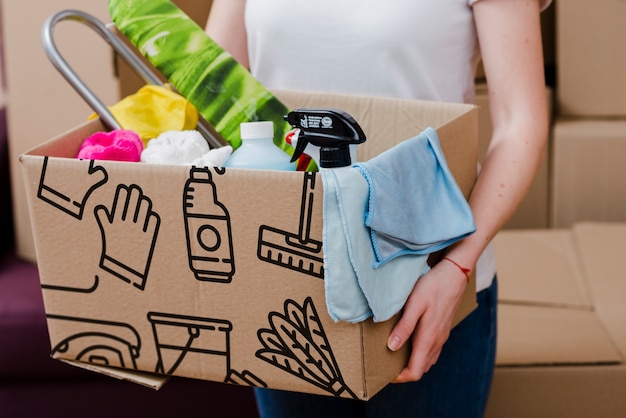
{"x": 393, "y": 343}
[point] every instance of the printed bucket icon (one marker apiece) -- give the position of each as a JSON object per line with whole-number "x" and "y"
{"x": 183, "y": 342}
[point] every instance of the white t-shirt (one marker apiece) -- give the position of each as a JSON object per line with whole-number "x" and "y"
{"x": 420, "y": 49}
{"x": 344, "y": 46}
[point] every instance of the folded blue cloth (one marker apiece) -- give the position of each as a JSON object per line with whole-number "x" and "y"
{"x": 355, "y": 290}
{"x": 415, "y": 205}
{"x": 410, "y": 197}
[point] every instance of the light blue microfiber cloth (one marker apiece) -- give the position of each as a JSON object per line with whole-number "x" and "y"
{"x": 382, "y": 219}
{"x": 415, "y": 205}
{"x": 355, "y": 290}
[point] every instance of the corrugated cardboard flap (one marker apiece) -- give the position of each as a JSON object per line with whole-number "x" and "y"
{"x": 391, "y": 121}
{"x": 604, "y": 247}
{"x": 540, "y": 267}
{"x": 547, "y": 315}
{"x": 150, "y": 380}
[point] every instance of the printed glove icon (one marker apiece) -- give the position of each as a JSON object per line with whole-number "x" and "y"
{"x": 69, "y": 196}
{"x": 129, "y": 233}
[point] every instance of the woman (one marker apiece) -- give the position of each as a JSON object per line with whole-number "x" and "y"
{"x": 423, "y": 50}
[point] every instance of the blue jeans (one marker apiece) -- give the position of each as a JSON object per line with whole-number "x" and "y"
{"x": 456, "y": 386}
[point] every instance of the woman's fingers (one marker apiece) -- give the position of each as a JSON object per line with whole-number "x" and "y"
{"x": 426, "y": 319}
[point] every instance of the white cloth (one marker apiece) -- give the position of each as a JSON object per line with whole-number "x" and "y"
{"x": 426, "y": 49}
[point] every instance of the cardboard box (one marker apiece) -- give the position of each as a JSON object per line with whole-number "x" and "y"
{"x": 533, "y": 212}
{"x": 40, "y": 102}
{"x": 232, "y": 293}
{"x": 562, "y": 341}
{"x": 588, "y": 171}
{"x": 591, "y": 58}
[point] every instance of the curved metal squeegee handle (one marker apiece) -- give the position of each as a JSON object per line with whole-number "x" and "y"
{"x": 118, "y": 46}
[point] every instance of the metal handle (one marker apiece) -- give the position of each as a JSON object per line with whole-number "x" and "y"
{"x": 118, "y": 45}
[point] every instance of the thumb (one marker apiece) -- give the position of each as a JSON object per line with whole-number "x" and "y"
{"x": 403, "y": 330}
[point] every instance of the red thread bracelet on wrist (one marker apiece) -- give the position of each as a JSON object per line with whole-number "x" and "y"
{"x": 465, "y": 270}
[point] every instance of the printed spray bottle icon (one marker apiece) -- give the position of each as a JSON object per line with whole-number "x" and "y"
{"x": 207, "y": 225}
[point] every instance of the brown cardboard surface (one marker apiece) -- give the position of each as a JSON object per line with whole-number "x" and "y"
{"x": 146, "y": 296}
{"x": 606, "y": 245}
{"x": 546, "y": 313}
{"x": 591, "y": 70}
{"x": 564, "y": 391}
{"x": 541, "y": 267}
{"x": 532, "y": 335}
{"x": 391, "y": 120}
{"x": 34, "y": 85}
{"x": 150, "y": 380}
{"x": 588, "y": 172}
{"x": 557, "y": 356}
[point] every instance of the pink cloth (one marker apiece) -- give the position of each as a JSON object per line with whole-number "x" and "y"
{"x": 117, "y": 145}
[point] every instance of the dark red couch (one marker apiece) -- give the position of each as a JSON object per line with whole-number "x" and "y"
{"x": 34, "y": 385}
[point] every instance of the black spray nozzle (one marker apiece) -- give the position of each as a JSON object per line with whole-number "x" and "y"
{"x": 332, "y": 130}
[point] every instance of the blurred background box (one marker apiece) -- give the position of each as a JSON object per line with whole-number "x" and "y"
{"x": 561, "y": 335}
{"x": 591, "y": 57}
{"x": 588, "y": 172}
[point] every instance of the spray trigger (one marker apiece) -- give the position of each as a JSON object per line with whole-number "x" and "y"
{"x": 332, "y": 130}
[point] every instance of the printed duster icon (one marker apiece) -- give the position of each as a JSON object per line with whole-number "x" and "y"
{"x": 297, "y": 344}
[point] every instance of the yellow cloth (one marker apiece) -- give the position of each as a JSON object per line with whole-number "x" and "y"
{"x": 153, "y": 110}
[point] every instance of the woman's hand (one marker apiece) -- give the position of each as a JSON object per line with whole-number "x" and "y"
{"x": 427, "y": 318}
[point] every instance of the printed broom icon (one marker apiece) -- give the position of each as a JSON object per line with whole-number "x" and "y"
{"x": 296, "y": 343}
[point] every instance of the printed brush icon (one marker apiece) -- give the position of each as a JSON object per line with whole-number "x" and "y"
{"x": 333, "y": 131}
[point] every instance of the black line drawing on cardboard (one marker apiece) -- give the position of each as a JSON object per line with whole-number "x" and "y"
{"x": 53, "y": 183}
{"x": 207, "y": 229}
{"x": 245, "y": 378}
{"x": 129, "y": 233}
{"x": 181, "y": 339}
{"x": 296, "y": 343}
{"x": 89, "y": 289}
{"x": 295, "y": 251}
{"x": 104, "y": 343}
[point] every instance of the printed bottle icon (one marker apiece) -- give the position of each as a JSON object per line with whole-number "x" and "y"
{"x": 207, "y": 225}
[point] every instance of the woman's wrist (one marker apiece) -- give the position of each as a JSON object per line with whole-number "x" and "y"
{"x": 465, "y": 270}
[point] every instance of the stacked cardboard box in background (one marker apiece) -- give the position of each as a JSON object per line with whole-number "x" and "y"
{"x": 561, "y": 316}
{"x": 589, "y": 133}
{"x": 591, "y": 58}
{"x": 561, "y": 342}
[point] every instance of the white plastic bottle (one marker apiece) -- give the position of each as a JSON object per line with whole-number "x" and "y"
{"x": 257, "y": 149}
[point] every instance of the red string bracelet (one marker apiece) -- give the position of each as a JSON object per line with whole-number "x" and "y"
{"x": 465, "y": 270}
